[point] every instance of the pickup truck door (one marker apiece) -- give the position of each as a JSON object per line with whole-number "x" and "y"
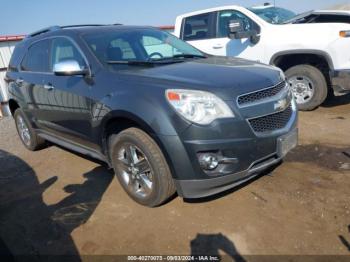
{"x": 199, "y": 31}
{"x": 209, "y": 33}
{"x": 243, "y": 48}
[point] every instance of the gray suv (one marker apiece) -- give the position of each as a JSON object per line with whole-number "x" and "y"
{"x": 165, "y": 116}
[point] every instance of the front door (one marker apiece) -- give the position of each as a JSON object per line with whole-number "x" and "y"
{"x": 69, "y": 96}
{"x": 243, "y": 48}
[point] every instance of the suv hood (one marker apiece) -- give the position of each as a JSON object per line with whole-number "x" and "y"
{"x": 227, "y": 77}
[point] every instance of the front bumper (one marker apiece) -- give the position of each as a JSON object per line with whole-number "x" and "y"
{"x": 5, "y": 109}
{"x": 208, "y": 187}
{"x": 341, "y": 81}
{"x": 205, "y": 187}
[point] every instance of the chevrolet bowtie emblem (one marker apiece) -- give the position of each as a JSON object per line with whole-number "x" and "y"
{"x": 280, "y": 105}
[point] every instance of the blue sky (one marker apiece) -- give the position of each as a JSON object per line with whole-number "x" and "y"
{"x": 23, "y": 16}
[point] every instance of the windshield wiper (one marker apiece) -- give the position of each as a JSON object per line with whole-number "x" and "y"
{"x": 177, "y": 58}
{"x": 188, "y": 56}
{"x": 164, "y": 60}
{"x": 130, "y": 62}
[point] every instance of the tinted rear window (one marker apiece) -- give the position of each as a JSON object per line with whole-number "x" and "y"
{"x": 197, "y": 27}
{"x": 37, "y": 57}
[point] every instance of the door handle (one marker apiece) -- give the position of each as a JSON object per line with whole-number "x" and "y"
{"x": 49, "y": 87}
{"x": 218, "y": 46}
{"x": 19, "y": 81}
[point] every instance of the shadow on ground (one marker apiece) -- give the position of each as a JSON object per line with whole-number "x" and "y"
{"x": 331, "y": 158}
{"x": 345, "y": 242}
{"x": 212, "y": 244}
{"x": 29, "y": 227}
{"x": 337, "y": 101}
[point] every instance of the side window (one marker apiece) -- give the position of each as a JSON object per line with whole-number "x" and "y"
{"x": 37, "y": 57}
{"x": 154, "y": 45}
{"x": 124, "y": 47}
{"x": 225, "y": 17}
{"x": 64, "y": 50}
{"x": 197, "y": 27}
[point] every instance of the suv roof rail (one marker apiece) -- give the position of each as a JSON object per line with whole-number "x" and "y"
{"x": 82, "y": 25}
{"x": 56, "y": 27}
{"x": 44, "y": 30}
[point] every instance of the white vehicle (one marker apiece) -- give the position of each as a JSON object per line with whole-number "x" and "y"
{"x": 314, "y": 55}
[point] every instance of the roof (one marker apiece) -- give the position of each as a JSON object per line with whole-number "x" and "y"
{"x": 214, "y": 9}
{"x": 9, "y": 38}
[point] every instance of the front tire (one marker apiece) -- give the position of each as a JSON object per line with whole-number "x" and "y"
{"x": 26, "y": 132}
{"x": 140, "y": 167}
{"x": 308, "y": 85}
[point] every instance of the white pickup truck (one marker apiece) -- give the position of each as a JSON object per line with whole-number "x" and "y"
{"x": 314, "y": 54}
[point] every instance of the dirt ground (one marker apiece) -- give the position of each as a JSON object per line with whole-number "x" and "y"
{"x": 56, "y": 202}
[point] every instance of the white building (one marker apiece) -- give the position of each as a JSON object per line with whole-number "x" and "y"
{"x": 7, "y": 44}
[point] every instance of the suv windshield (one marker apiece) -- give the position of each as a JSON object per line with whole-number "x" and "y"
{"x": 273, "y": 15}
{"x": 139, "y": 47}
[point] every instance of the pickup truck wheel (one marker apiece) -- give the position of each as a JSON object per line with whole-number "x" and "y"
{"x": 308, "y": 85}
{"x": 26, "y": 132}
{"x": 141, "y": 167}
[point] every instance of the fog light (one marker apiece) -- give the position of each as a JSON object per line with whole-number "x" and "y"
{"x": 208, "y": 161}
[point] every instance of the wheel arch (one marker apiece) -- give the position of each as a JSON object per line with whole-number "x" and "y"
{"x": 13, "y": 105}
{"x": 317, "y": 58}
{"x": 277, "y": 58}
{"x": 117, "y": 121}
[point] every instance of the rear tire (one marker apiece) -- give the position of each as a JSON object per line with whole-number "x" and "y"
{"x": 141, "y": 167}
{"x": 26, "y": 132}
{"x": 308, "y": 85}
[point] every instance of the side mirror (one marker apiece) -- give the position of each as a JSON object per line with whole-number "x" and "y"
{"x": 234, "y": 28}
{"x": 69, "y": 68}
{"x": 236, "y": 31}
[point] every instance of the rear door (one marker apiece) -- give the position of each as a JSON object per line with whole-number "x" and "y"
{"x": 199, "y": 31}
{"x": 29, "y": 82}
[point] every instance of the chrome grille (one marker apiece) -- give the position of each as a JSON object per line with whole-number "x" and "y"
{"x": 271, "y": 122}
{"x": 262, "y": 94}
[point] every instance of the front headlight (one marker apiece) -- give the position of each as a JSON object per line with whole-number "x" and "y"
{"x": 344, "y": 34}
{"x": 198, "y": 106}
{"x": 282, "y": 75}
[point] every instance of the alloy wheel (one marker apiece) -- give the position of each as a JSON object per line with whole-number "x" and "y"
{"x": 135, "y": 171}
{"x": 303, "y": 88}
{"x": 23, "y": 130}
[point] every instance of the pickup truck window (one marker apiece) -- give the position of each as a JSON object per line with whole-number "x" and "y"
{"x": 37, "y": 57}
{"x": 197, "y": 27}
{"x": 226, "y": 16}
{"x": 273, "y": 15}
